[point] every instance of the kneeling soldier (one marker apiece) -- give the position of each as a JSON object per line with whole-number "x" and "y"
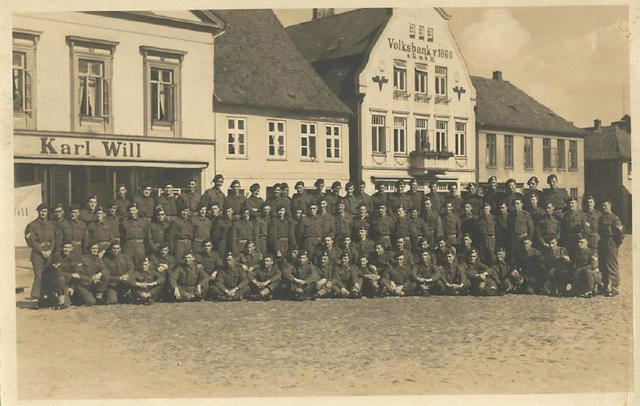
{"x": 555, "y": 263}
{"x": 92, "y": 278}
{"x": 264, "y": 279}
{"x": 147, "y": 282}
{"x": 501, "y": 267}
{"x": 300, "y": 277}
{"x": 329, "y": 284}
{"x": 527, "y": 277}
{"x": 231, "y": 282}
{"x": 395, "y": 280}
{"x": 189, "y": 280}
{"x": 426, "y": 277}
{"x": 348, "y": 278}
{"x": 453, "y": 276}
{"x": 484, "y": 280}
{"x": 370, "y": 278}
{"x": 120, "y": 270}
{"x": 587, "y": 277}
{"x": 64, "y": 264}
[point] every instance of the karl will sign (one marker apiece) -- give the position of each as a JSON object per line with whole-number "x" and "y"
{"x": 113, "y": 149}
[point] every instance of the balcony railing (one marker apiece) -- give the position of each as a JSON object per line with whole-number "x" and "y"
{"x": 422, "y": 162}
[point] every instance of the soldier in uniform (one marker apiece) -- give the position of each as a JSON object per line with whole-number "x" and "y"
{"x": 329, "y": 283}
{"x": 180, "y": 234}
{"x": 502, "y": 225}
{"x": 162, "y": 256}
{"x": 533, "y": 208}
{"x": 587, "y": 278}
{"x": 473, "y": 198}
{"x": 486, "y": 228}
{"x": 310, "y": 229}
{"x": 168, "y": 202}
{"x": 120, "y": 270}
{"x": 76, "y": 230}
{"x": 395, "y": 279}
{"x": 93, "y": 277}
{"x": 363, "y": 197}
{"x": 60, "y": 224}
{"x": 100, "y": 231}
{"x": 63, "y": 264}
{"x": 430, "y": 226}
{"x": 369, "y": 277}
{"x": 332, "y": 197}
{"x": 527, "y": 275}
{"x": 320, "y": 191}
{"x": 112, "y": 218}
{"x": 492, "y": 195}
{"x": 122, "y": 201}
{"x": 363, "y": 246}
{"x": 573, "y": 225}
{"x": 484, "y": 280}
{"x": 156, "y": 232}
{"x": 254, "y": 201}
{"x": 264, "y": 280}
{"x": 382, "y": 226}
{"x": 397, "y": 198}
{"x": 350, "y": 200}
{"x": 301, "y": 198}
{"x": 300, "y": 279}
{"x": 189, "y": 198}
{"x": 404, "y": 227}
{"x": 189, "y": 281}
{"x": 511, "y": 193}
{"x": 450, "y": 225}
{"x": 211, "y": 263}
{"x": 40, "y": 237}
{"x": 611, "y": 236}
{"x": 145, "y": 202}
{"x": 556, "y": 279}
{"x": 414, "y": 196}
{"x": 342, "y": 220}
{"x": 379, "y": 197}
{"x": 454, "y": 276}
{"x": 548, "y": 227}
{"x": 325, "y": 218}
{"x": 221, "y": 231}
{"x": 520, "y": 226}
{"x": 501, "y": 267}
{"x": 201, "y": 229}
{"x": 147, "y": 282}
{"x": 132, "y": 233}
{"x": 401, "y": 247}
{"x": 241, "y": 231}
{"x": 533, "y": 190}
{"x": 261, "y": 227}
{"x": 326, "y": 248}
{"x": 215, "y": 193}
{"x": 360, "y": 220}
{"x": 437, "y": 203}
{"x": 231, "y": 284}
{"x": 278, "y": 234}
{"x": 464, "y": 249}
{"x": 455, "y": 199}
{"x": 555, "y": 195}
{"x": 593, "y": 218}
{"x": 468, "y": 221}
{"x": 426, "y": 277}
{"x": 88, "y": 214}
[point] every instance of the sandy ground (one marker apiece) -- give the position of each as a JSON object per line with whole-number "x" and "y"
{"x": 437, "y": 345}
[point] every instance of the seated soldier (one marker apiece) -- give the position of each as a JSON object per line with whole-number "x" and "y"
{"x": 162, "y": 256}
{"x": 370, "y": 277}
{"x": 401, "y": 248}
{"x": 426, "y": 277}
{"x": 327, "y": 246}
{"x": 501, "y": 267}
{"x": 347, "y": 246}
{"x": 188, "y": 280}
{"x": 441, "y": 251}
{"x": 300, "y": 278}
{"x": 453, "y": 276}
{"x": 345, "y": 274}
{"x": 250, "y": 258}
{"x": 422, "y": 245}
{"x": 264, "y": 279}
{"x": 395, "y": 279}
{"x": 465, "y": 248}
{"x": 231, "y": 283}
{"x": 64, "y": 263}
{"x": 556, "y": 279}
{"x": 91, "y": 279}
{"x": 147, "y": 282}
{"x": 364, "y": 246}
{"x": 328, "y": 284}
{"x": 210, "y": 261}
{"x": 586, "y": 275}
{"x": 120, "y": 270}
{"x": 380, "y": 259}
{"x": 527, "y": 275}
{"x": 484, "y": 280}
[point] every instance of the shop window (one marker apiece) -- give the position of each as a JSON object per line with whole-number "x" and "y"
{"x": 308, "y": 141}
{"x": 441, "y": 81}
{"x": 441, "y": 136}
{"x": 400, "y": 135}
{"x": 491, "y": 150}
{"x": 23, "y": 78}
{"x": 332, "y": 139}
{"x": 461, "y": 138}
{"x": 573, "y": 155}
{"x": 412, "y": 30}
{"x": 92, "y": 67}
{"x": 378, "y": 134}
{"x": 528, "y": 153}
{"x": 421, "y": 32}
{"x": 422, "y": 135}
{"x": 277, "y": 139}
{"x": 163, "y": 68}
{"x": 508, "y": 151}
{"x": 236, "y": 137}
{"x": 400, "y": 75}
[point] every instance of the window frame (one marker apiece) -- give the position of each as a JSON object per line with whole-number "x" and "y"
{"x": 460, "y": 135}
{"x": 421, "y": 32}
{"x": 421, "y": 86}
{"x": 381, "y": 143}
{"x": 412, "y": 30}
{"x": 272, "y": 140}
{"x": 26, "y": 42}
{"x": 420, "y": 130}
{"x": 309, "y": 136}
{"x": 491, "y": 151}
{"x": 332, "y": 139}
{"x": 508, "y": 151}
{"x": 440, "y": 87}
{"x": 560, "y": 155}
{"x": 441, "y": 134}
{"x": 399, "y": 75}
{"x": 400, "y": 135}
{"x": 546, "y": 154}
{"x": 528, "y": 155}
{"x": 236, "y": 132}
{"x": 573, "y": 155}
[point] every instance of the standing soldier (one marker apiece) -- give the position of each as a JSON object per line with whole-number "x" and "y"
{"x": 414, "y": 196}
{"x": 593, "y": 218}
{"x": 511, "y": 193}
{"x": 404, "y": 228}
{"x": 181, "y": 234}
{"x": 430, "y": 227}
{"x": 278, "y": 234}
{"x": 231, "y": 282}
{"x": 379, "y": 197}
{"x": 254, "y": 201}
{"x": 548, "y": 227}
{"x": 450, "y": 225}
{"x": 492, "y": 195}
{"x": 350, "y": 200}
{"x": 157, "y": 231}
{"x": 520, "y": 226}
{"x": 364, "y": 246}
{"x": 533, "y": 190}
{"x": 320, "y": 191}
{"x": 112, "y": 219}
{"x": 168, "y": 202}
{"x": 360, "y": 220}
{"x": 40, "y": 237}
{"x": 611, "y": 236}
{"x": 215, "y": 193}
{"x": 122, "y": 201}
{"x": 363, "y": 197}
{"x": 295, "y": 238}
{"x": 437, "y": 201}
{"x": 76, "y": 230}
{"x": 235, "y": 199}
{"x": 189, "y": 198}
{"x": 473, "y": 197}
{"x": 468, "y": 221}
{"x": 533, "y": 208}
{"x": 332, "y": 197}
{"x": 241, "y": 231}
{"x": 486, "y": 234}
{"x": 301, "y": 198}
{"x": 201, "y": 229}
{"x": 145, "y": 202}
{"x": 502, "y": 225}
{"x": 220, "y": 231}
{"x": 326, "y": 218}
{"x": 454, "y": 198}
{"x": 60, "y": 224}
{"x": 261, "y": 228}
{"x": 382, "y": 226}
{"x": 100, "y": 231}
{"x": 555, "y": 195}
{"x": 88, "y": 214}
{"x": 342, "y": 221}
{"x": 573, "y": 226}
{"x": 397, "y": 198}
{"x": 284, "y": 195}
{"x": 132, "y": 232}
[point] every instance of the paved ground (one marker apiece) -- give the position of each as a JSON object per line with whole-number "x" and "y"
{"x": 438, "y": 345}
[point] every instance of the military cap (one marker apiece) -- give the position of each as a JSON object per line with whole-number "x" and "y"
{"x": 92, "y": 197}
{"x": 348, "y": 185}
{"x": 201, "y": 205}
{"x": 218, "y": 176}
{"x": 486, "y": 203}
{"x": 67, "y": 241}
{"x": 341, "y": 201}
{"x": 187, "y": 252}
{"x": 470, "y": 184}
{"x": 206, "y": 241}
{"x": 193, "y": 179}
{"x": 401, "y": 206}
{"x": 466, "y": 235}
{"x": 510, "y": 180}
{"x": 158, "y": 209}
{"x": 114, "y": 243}
{"x": 121, "y": 185}
{"x": 336, "y": 184}
{"x": 228, "y": 254}
{"x": 319, "y": 182}
{"x": 74, "y": 207}
{"x": 382, "y": 204}
{"x": 589, "y": 197}
{"x": 42, "y": 206}
{"x": 92, "y": 243}
{"x": 491, "y": 179}
{"x": 99, "y": 208}
{"x": 533, "y": 179}
{"x": 498, "y": 249}
{"x": 113, "y": 203}
{"x": 312, "y": 203}
{"x": 361, "y": 204}
{"x": 571, "y": 199}
{"x": 132, "y": 204}
{"x": 235, "y": 182}
{"x": 472, "y": 250}
{"x": 57, "y": 206}
{"x": 267, "y": 255}
{"x": 606, "y": 200}
{"x": 163, "y": 245}
{"x": 146, "y": 185}
{"x": 299, "y": 183}
{"x": 280, "y": 206}
{"x": 321, "y": 199}
{"x": 303, "y": 252}
{"x": 399, "y": 182}
{"x": 254, "y": 187}
{"x": 284, "y": 185}
{"x": 550, "y": 177}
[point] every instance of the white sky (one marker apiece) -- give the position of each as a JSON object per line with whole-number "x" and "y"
{"x": 574, "y": 60}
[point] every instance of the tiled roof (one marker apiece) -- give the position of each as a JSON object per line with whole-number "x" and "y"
{"x": 257, "y": 65}
{"x": 607, "y": 143}
{"x": 502, "y": 106}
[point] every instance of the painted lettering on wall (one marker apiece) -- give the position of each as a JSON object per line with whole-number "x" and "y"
{"x": 418, "y": 51}
{"x": 114, "y": 149}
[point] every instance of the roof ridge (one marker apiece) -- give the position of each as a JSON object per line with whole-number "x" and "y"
{"x": 338, "y": 14}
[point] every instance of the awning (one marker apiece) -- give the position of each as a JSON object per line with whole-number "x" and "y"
{"x": 96, "y": 162}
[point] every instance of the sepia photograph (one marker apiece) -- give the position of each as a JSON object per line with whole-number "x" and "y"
{"x": 283, "y": 202}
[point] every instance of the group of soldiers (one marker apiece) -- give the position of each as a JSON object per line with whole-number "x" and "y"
{"x": 322, "y": 243}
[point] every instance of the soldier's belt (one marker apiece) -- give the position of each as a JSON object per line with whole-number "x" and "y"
{"x": 135, "y": 240}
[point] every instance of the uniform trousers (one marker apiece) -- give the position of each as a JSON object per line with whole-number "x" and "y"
{"x": 39, "y": 265}
{"x": 608, "y": 261}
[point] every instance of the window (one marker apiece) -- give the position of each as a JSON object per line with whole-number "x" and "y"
{"x": 276, "y": 135}
{"x": 23, "y": 78}
{"x": 421, "y": 32}
{"x": 378, "y": 135}
{"x": 546, "y": 153}
{"x": 21, "y": 83}
{"x": 399, "y": 75}
{"x": 573, "y": 155}
{"x": 400, "y": 135}
{"x": 441, "y": 81}
{"x": 422, "y": 136}
{"x": 441, "y": 136}
{"x": 421, "y": 78}
{"x": 332, "y": 137}
{"x": 573, "y": 192}
{"x": 508, "y": 151}
{"x": 528, "y": 153}
{"x": 162, "y": 69}
{"x": 491, "y": 150}
{"x": 91, "y": 72}
{"x": 308, "y": 140}
{"x": 429, "y": 34}
{"x": 236, "y": 137}
{"x": 461, "y": 135}
{"x": 560, "y": 154}
{"x": 412, "y": 30}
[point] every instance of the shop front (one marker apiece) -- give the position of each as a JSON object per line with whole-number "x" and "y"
{"x": 72, "y": 166}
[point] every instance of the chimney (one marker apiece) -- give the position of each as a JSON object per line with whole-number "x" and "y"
{"x": 319, "y": 13}
{"x": 596, "y": 123}
{"x": 497, "y": 75}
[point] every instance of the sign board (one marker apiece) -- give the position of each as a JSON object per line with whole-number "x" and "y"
{"x": 27, "y": 198}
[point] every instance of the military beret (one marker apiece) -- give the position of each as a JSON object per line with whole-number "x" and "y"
{"x": 533, "y": 179}
{"x": 299, "y": 183}
{"x": 491, "y": 179}
{"x": 401, "y": 206}
{"x": 466, "y": 235}
{"x": 42, "y": 206}
{"x": 312, "y": 204}
{"x": 158, "y": 209}
{"x": 606, "y": 200}
{"x": 254, "y": 187}
{"x": 113, "y": 203}
{"x": 99, "y": 208}
{"x": 571, "y": 199}
{"x": 319, "y": 182}
{"x": 450, "y": 187}
{"x": 341, "y": 201}
{"x": 206, "y": 241}
{"x": 382, "y": 204}
{"x": 235, "y": 182}
{"x": 228, "y": 254}
{"x": 187, "y": 252}
{"x": 121, "y": 185}
{"x": 284, "y": 185}
{"x": 399, "y": 182}
{"x": 362, "y": 183}
{"x": 265, "y": 204}
{"x": 146, "y": 186}
{"x": 67, "y": 241}
{"x": 133, "y": 204}
{"x": 470, "y": 184}
{"x": 510, "y": 180}
{"x": 113, "y": 243}
{"x": 499, "y": 249}
{"x": 227, "y": 206}
{"x": 168, "y": 183}
{"x": 92, "y": 197}
{"x": 201, "y": 205}
{"x": 194, "y": 180}
{"x": 321, "y": 199}
{"x": 348, "y": 185}
{"x": 550, "y": 177}
{"x": 58, "y": 206}
{"x": 92, "y": 243}
{"x": 336, "y": 184}
{"x": 472, "y": 250}
{"x": 485, "y": 204}
{"x": 303, "y": 252}
{"x": 163, "y": 245}
{"x": 280, "y": 206}
{"x": 267, "y": 255}
{"x": 218, "y": 176}
{"x": 74, "y": 207}
{"x": 361, "y": 204}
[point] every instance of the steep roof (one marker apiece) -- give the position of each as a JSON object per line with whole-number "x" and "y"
{"x": 607, "y": 143}
{"x": 502, "y": 106}
{"x": 341, "y": 35}
{"x": 256, "y": 64}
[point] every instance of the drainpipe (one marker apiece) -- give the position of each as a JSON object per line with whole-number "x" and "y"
{"x": 213, "y": 104}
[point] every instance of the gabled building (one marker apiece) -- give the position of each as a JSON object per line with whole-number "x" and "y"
{"x": 275, "y": 119}
{"x": 518, "y": 137}
{"x": 608, "y": 166}
{"x": 402, "y": 74}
